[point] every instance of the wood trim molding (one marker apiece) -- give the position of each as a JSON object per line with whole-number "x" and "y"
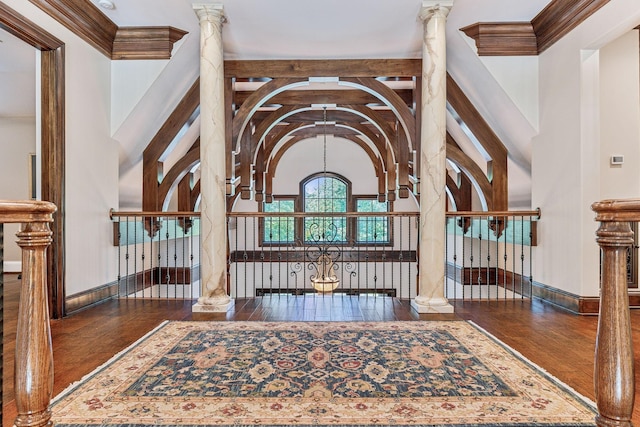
{"x": 84, "y": 19}
{"x": 145, "y": 42}
{"x": 53, "y": 141}
{"x": 531, "y": 38}
{"x": 503, "y": 38}
{"x": 87, "y": 21}
{"x": 560, "y": 17}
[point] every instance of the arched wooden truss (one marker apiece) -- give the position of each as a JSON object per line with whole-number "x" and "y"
{"x": 262, "y": 124}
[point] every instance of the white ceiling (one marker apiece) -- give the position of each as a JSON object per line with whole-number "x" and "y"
{"x": 275, "y": 29}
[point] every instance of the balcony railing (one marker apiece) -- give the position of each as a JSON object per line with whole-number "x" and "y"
{"x": 351, "y": 253}
{"x": 33, "y": 371}
{"x": 490, "y": 254}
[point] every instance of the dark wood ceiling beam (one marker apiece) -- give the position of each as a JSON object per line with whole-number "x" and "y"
{"x": 179, "y": 170}
{"x": 337, "y": 96}
{"x": 503, "y": 38}
{"x": 257, "y": 99}
{"x": 159, "y": 144}
{"x": 517, "y": 38}
{"x": 487, "y": 138}
{"x": 323, "y": 68}
{"x": 319, "y": 130}
{"x": 472, "y": 170}
{"x": 145, "y": 42}
{"x": 87, "y": 21}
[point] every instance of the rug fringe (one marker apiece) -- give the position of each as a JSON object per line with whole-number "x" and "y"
{"x": 71, "y": 387}
{"x": 551, "y": 377}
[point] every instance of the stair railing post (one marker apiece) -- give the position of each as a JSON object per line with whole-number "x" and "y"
{"x": 614, "y": 380}
{"x": 33, "y": 374}
{"x": 34, "y": 353}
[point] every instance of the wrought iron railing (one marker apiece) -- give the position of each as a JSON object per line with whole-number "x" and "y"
{"x": 158, "y": 254}
{"x": 490, "y": 254}
{"x": 342, "y": 253}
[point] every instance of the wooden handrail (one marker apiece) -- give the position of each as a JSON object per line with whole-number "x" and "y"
{"x": 614, "y": 379}
{"x": 33, "y": 376}
{"x": 535, "y": 213}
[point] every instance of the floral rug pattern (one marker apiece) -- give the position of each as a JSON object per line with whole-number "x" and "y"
{"x": 252, "y": 373}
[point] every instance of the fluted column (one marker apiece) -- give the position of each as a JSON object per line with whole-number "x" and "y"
{"x": 431, "y": 298}
{"x": 213, "y": 257}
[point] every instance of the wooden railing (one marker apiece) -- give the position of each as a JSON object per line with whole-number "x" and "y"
{"x": 614, "y": 373}
{"x": 34, "y": 355}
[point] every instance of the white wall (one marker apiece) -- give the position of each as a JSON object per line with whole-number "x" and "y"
{"x": 620, "y": 116}
{"x": 566, "y": 166}
{"x": 130, "y": 80}
{"x": 17, "y": 141}
{"x": 91, "y": 158}
{"x": 509, "y": 72}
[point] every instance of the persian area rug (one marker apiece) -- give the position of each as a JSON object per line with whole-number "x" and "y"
{"x": 319, "y": 374}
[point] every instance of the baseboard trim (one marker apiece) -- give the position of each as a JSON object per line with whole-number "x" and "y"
{"x": 90, "y": 298}
{"x": 12, "y": 266}
{"x": 586, "y": 305}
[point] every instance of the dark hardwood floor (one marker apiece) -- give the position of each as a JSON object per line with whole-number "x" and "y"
{"x": 560, "y": 342}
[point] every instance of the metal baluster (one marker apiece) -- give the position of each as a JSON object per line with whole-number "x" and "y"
{"x": 522, "y": 259}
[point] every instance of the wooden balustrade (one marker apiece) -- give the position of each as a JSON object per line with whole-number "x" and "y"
{"x": 34, "y": 355}
{"x": 614, "y": 373}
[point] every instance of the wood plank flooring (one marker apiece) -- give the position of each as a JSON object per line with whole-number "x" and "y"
{"x": 560, "y": 342}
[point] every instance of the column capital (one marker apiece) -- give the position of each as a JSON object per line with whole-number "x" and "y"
{"x": 212, "y": 12}
{"x": 431, "y": 7}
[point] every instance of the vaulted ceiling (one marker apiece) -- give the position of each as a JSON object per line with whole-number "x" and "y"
{"x": 332, "y": 29}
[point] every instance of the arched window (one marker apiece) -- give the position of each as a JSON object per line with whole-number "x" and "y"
{"x": 326, "y": 193}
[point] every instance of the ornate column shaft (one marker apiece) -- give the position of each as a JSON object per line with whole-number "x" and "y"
{"x": 213, "y": 257}
{"x": 433, "y": 171}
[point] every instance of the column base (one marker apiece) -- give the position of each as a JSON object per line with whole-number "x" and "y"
{"x": 431, "y": 305}
{"x": 212, "y": 305}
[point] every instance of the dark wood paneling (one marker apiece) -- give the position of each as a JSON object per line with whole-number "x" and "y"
{"x": 84, "y": 19}
{"x": 560, "y": 17}
{"x": 503, "y": 38}
{"x": 145, "y": 42}
{"x": 323, "y": 68}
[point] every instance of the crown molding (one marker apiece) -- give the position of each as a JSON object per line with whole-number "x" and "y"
{"x": 85, "y": 20}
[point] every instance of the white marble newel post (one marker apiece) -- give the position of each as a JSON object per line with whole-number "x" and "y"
{"x": 431, "y": 298}
{"x": 213, "y": 256}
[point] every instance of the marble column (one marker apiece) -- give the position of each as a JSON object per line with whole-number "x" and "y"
{"x": 213, "y": 227}
{"x": 431, "y": 298}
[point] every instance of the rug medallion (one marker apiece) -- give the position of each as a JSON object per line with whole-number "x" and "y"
{"x": 333, "y": 373}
